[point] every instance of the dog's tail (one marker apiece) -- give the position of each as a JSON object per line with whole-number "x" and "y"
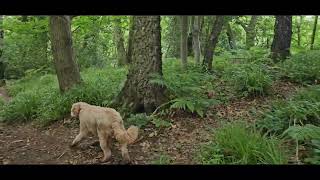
{"x": 125, "y": 136}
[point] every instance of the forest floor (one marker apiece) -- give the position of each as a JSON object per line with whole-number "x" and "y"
{"x": 29, "y": 144}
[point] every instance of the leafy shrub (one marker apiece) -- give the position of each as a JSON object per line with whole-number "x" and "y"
{"x": 236, "y": 144}
{"x": 23, "y": 107}
{"x": 302, "y": 68}
{"x": 187, "y": 89}
{"x": 38, "y": 98}
{"x": 159, "y": 123}
{"x": 139, "y": 120}
{"x": 26, "y": 45}
{"x": 249, "y": 79}
{"x": 309, "y": 134}
{"x": 2, "y": 104}
{"x": 303, "y": 108}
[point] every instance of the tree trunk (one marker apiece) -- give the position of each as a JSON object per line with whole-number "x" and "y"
{"x": 212, "y": 42}
{"x": 314, "y": 31}
{"x": 2, "y": 64}
{"x": 129, "y": 48}
{"x": 118, "y": 36}
{"x": 251, "y": 32}
{"x": 64, "y": 59}
{"x": 138, "y": 94}
{"x": 280, "y": 48}
{"x": 190, "y": 36}
{"x": 184, "y": 43}
{"x": 196, "y": 39}
{"x": 231, "y": 39}
{"x": 299, "y": 31}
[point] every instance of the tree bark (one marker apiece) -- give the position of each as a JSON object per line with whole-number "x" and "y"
{"x": 212, "y": 42}
{"x": 63, "y": 55}
{"x": 138, "y": 94}
{"x": 196, "y": 39}
{"x": 314, "y": 31}
{"x": 251, "y": 32}
{"x": 230, "y": 35}
{"x": 280, "y": 48}
{"x": 299, "y": 31}
{"x": 184, "y": 43}
{"x": 129, "y": 48}
{"x": 118, "y": 36}
{"x": 190, "y": 36}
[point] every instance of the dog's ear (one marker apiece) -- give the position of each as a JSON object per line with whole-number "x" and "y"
{"x": 75, "y": 110}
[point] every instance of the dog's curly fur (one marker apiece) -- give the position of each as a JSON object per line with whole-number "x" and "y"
{"x": 104, "y": 123}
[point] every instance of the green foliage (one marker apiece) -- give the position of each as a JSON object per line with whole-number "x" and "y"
{"x": 187, "y": 89}
{"x": 302, "y": 68}
{"x": 25, "y": 45}
{"x": 236, "y": 144}
{"x": 198, "y": 105}
{"x": 140, "y": 120}
{"x": 301, "y": 133}
{"x": 38, "y": 98}
{"x": 162, "y": 160}
{"x": 93, "y": 40}
{"x": 303, "y": 108}
{"x": 315, "y": 158}
{"x": 160, "y": 123}
{"x": 249, "y": 79}
{"x": 2, "y": 102}
{"x": 310, "y": 134}
{"x": 23, "y": 107}
{"x": 211, "y": 153}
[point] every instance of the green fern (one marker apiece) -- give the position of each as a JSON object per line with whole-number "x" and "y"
{"x": 306, "y": 132}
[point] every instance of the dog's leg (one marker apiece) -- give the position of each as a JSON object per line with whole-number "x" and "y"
{"x": 83, "y": 133}
{"x": 103, "y": 138}
{"x": 78, "y": 138}
{"x": 125, "y": 153}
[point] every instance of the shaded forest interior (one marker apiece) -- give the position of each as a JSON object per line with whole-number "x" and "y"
{"x": 202, "y": 89}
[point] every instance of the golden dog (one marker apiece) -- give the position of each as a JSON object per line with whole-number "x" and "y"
{"x": 104, "y": 123}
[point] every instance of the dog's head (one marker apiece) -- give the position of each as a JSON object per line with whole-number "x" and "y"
{"x": 75, "y": 109}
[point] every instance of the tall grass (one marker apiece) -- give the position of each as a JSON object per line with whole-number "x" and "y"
{"x": 234, "y": 143}
{"x": 38, "y": 98}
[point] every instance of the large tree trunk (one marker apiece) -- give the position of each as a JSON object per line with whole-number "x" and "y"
{"x": 299, "y": 31}
{"x": 129, "y": 48}
{"x": 314, "y": 31}
{"x": 230, "y": 35}
{"x": 280, "y": 48}
{"x": 184, "y": 43}
{"x": 196, "y": 39}
{"x": 212, "y": 42}
{"x": 138, "y": 94}
{"x": 118, "y": 37}
{"x": 64, "y": 59}
{"x": 251, "y": 32}
{"x": 2, "y": 64}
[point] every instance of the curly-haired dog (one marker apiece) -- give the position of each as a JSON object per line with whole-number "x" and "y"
{"x": 104, "y": 123}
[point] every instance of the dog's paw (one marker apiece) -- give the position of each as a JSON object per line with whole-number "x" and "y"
{"x": 104, "y": 159}
{"x": 72, "y": 145}
{"x": 125, "y": 162}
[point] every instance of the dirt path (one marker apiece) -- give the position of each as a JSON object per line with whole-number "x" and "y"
{"x": 28, "y": 144}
